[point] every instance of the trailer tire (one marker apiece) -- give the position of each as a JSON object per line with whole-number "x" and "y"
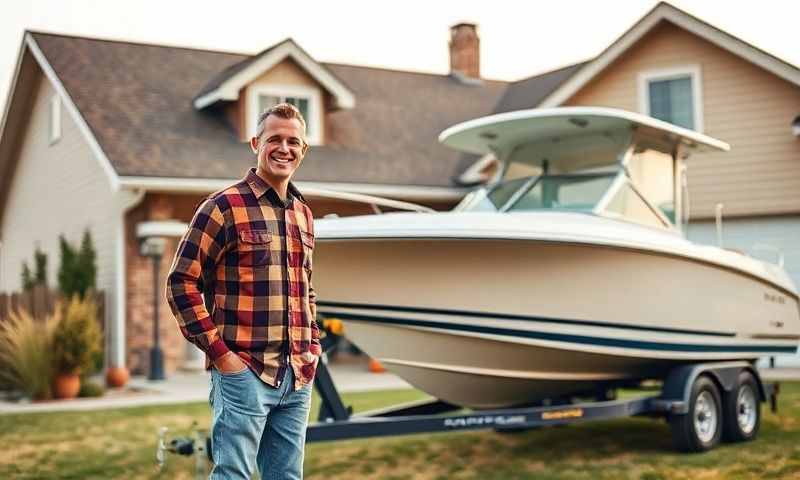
{"x": 700, "y": 428}
{"x": 742, "y": 410}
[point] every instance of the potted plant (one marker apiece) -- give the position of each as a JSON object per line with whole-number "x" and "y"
{"x": 76, "y": 341}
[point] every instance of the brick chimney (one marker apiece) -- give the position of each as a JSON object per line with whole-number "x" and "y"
{"x": 465, "y": 59}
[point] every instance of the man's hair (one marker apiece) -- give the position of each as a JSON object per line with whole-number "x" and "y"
{"x": 282, "y": 110}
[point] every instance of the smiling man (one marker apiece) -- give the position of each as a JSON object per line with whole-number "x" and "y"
{"x": 240, "y": 289}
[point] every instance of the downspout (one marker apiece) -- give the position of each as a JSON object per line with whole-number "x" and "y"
{"x": 118, "y": 330}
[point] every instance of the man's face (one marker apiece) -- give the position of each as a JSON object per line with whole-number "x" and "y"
{"x": 281, "y": 147}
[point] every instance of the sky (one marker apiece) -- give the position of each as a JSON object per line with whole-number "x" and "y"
{"x": 518, "y": 38}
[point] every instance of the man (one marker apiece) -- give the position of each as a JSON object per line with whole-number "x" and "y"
{"x": 240, "y": 289}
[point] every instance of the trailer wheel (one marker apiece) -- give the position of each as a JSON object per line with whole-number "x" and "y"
{"x": 742, "y": 410}
{"x": 701, "y": 428}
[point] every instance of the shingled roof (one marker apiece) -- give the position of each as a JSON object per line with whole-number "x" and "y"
{"x": 529, "y": 92}
{"x": 137, "y": 100}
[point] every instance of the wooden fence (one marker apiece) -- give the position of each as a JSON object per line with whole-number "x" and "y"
{"x": 40, "y": 302}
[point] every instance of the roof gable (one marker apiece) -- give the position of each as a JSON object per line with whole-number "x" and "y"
{"x": 666, "y": 12}
{"x": 227, "y": 84}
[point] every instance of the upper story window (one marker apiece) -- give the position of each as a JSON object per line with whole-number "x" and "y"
{"x": 673, "y": 95}
{"x": 306, "y": 99}
{"x": 54, "y": 124}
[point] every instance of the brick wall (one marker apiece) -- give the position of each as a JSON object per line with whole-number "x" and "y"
{"x": 140, "y": 285}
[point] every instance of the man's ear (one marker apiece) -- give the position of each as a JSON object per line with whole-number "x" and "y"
{"x": 305, "y": 147}
{"x": 254, "y": 144}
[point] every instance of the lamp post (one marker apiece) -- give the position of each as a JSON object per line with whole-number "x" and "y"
{"x": 154, "y": 247}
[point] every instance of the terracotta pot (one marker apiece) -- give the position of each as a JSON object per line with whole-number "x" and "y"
{"x": 67, "y": 385}
{"x": 375, "y": 366}
{"x": 117, "y": 377}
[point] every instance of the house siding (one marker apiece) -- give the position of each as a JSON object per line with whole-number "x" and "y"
{"x": 744, "y": 105}
{"x": 56, "y": 189}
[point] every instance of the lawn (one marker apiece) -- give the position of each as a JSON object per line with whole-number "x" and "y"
{"x": 121, "y": 443}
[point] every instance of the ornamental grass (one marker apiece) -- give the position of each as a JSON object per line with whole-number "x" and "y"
{"x": 26, "y": 354}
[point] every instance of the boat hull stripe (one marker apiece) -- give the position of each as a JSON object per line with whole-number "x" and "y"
{"x": 505, "y": 316}
{"x": 581, "y": 339}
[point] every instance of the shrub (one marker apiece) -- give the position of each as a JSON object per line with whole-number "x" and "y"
{"x": 91, "y": 389}
{"x": 77, "y": 339}
{"x": 26, "y": 354}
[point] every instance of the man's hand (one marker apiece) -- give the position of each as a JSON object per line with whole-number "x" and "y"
{"x": 230, "y": 363}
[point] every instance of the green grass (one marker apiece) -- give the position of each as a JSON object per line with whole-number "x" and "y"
{"x": 121, "y": 444}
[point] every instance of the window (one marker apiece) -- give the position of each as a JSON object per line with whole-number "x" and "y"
{"x": 306, "y": 99}
{"x": 55, "y": 119}
{"x": 673, "y": 96}
{"x": 266, "y": 101}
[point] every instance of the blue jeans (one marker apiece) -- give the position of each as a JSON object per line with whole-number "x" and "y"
{"x": 254, "y": 423}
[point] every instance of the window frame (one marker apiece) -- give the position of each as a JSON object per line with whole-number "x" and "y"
{"x": 54, "y": 119}
{"x": 693, "y": 72}
{"x": 314, "y": 121}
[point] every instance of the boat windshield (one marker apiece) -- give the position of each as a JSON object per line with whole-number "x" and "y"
{"x": 619, "y": 174}
{"x": 564, "y": 173}
{"x": 568, "y": 192}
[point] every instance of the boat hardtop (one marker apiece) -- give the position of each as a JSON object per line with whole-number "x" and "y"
{"x": 504, "y": 131}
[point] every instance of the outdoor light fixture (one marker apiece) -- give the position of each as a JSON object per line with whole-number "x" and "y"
{"x": 154, "y": 247}
{"x": 796, "y": 126}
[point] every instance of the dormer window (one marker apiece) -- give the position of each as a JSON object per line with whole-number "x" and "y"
{"x": 306, "y": 99}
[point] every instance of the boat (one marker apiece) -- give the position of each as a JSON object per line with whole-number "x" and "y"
{"x": 570, "y": 272}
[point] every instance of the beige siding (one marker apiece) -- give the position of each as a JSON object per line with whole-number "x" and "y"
{"x": 743, "y": 105}
{"x": 58, "y": 188}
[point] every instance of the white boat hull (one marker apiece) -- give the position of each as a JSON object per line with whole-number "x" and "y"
{"x": 515, "y": 321}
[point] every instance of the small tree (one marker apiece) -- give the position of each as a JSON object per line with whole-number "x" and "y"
{"x": 27, "y": 279}
{"x": 87, "y": 261}
{"x": 66, "y": 275}
{"x": 40, "y": 262}
{"x": 39, "y": 276}
{"x": 78, "y": 271}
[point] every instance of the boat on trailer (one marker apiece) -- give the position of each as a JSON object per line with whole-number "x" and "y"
{"x": 542, "y": 292}
{"x": 569, "y": 272}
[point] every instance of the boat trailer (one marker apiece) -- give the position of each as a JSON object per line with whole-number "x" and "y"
{"x": 703, "y": 402}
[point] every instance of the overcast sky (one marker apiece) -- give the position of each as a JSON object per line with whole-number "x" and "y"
{"x": 518, "y": 38}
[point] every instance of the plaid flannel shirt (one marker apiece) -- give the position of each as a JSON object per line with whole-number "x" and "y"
{"x": 241, "y": 281}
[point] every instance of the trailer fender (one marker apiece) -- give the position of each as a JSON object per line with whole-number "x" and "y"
{"x": 678, "y": 385}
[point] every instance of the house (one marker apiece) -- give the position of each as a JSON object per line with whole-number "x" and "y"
{"x": 126, "y": 139}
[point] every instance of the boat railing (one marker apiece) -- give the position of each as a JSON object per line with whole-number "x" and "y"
{"x": 375, "y": 203}
{"x": 764, "y": 247}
